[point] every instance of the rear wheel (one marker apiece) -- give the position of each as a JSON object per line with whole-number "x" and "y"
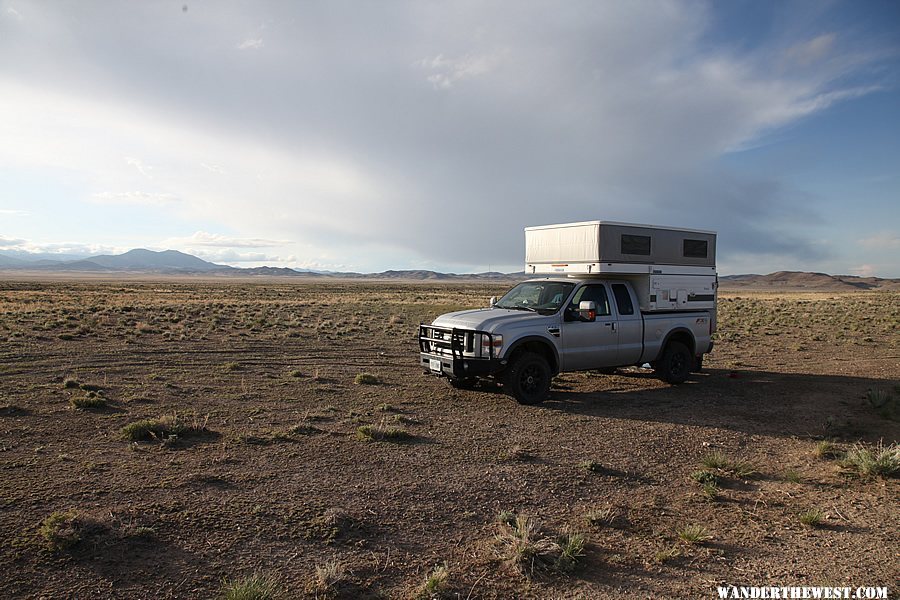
{"x": 675, "y": 364}
{"x": 607, "y": 370}
{"x": 528, "y": 378}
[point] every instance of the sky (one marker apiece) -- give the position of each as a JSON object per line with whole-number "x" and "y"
{"x": 364, "y": 136}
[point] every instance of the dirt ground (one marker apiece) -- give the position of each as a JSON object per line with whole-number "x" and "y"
{"x": 269, "y": 474}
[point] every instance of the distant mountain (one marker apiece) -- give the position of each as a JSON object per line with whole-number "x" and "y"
{"x": 148, "y": 260}
{"x": 799, "y": 280}
{"x": 9, "y": 261}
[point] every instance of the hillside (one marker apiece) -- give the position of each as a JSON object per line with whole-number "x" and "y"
{"x": 799, "y": 280}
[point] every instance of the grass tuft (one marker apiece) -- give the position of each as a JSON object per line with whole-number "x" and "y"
{"x": 884, "y": 403}
{"x": 718, "y": 461}
{"x": 571, "y": 549}
{"x": 792, "y": 475}
{"x": 329, "y": 576}
{"x": 812, "y": 517}
{"x": 61, "y": 530}
{"x": 163, "y": 428}
{"x": 436, "y": 583}
{"x": 826, "y": 450}
{"x": 90, "y": 401}
{"x": 382, "y": 433}
{"x": 877, "y": 461}
{"x": 664, "y": 556}
{"x": 367, "y": 379}
{"x": 693, "y": 534}
{"x": 521, "y": 544}
{"x": 255, "y": 587}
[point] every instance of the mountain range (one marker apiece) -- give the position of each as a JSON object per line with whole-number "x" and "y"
{"x": 173, "y": 262}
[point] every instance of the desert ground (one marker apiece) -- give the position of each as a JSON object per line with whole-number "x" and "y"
{"x": 183, "y": 439}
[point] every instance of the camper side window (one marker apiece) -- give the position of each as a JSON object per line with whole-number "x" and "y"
{"x": 695, "y": 249}
{"x": 636, "y": 244}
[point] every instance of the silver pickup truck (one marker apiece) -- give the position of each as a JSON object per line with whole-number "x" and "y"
{"x": 543, "y": 327}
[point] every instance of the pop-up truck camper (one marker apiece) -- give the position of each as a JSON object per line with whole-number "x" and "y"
{"x": 604, "y": 295}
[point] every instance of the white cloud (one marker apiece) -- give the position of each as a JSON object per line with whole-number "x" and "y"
{"x": 811, "y": 51}
{"x": 11, "y": 212}
{"x": 6, "y": 242}
{"x": 213, "y": 168}
{"x": 251, "y": 44}
{"x": 202, "y": 238}
{"x": 445, "y": 72}
{"x": 885, "y": 240}
{"x": 134, "y": 198}
{"x": 864, "y": 270}
{"x": 12, "y": 12}
{"x": 140, "y": 166}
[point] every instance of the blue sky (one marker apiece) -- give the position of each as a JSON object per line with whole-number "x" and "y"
{"x": 371, "y": 136}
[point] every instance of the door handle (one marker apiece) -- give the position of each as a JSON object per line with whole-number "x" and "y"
{"x": 610, "y": 325}
{"x": 554, "y": 331}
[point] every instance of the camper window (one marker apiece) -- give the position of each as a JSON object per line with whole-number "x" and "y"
{"x": 636, "y": 244}
{"x": 695, "y": 248}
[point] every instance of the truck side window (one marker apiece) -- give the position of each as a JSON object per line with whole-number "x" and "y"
{"x": 623, "y": 299}
{"x": 592, "y": 293}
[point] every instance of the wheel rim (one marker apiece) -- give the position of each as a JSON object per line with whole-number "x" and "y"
{"x": 531, "y": 380}
{"x": 676, "y": 367}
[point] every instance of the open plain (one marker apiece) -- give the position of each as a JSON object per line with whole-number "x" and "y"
{"x": 179, "y": 439}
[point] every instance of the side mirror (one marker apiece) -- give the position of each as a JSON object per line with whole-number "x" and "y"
{"x": 587, "y": 310}
{"x": 493, "y": 301}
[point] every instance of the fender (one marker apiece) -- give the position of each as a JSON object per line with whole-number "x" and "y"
{"x": 546, "y": 341}
{"x": 692, "y": 347}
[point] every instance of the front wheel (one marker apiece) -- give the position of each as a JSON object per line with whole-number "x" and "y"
{"x": 675, "y": 364}
{"x": 528, "y": 379}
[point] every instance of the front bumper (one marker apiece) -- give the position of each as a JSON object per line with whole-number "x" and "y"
{"x": 457, "y": 353}
{"x": 458, "y": 368}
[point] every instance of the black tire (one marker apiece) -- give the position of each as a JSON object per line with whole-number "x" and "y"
{"x": 608, "y": 370}
{"x": 463, "y": 383}
{"x": 698, "y": 364}
{"x": 528, "y": 378}
{"x": 675, "y": 364}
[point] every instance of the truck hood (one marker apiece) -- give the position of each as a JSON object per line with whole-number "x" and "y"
{"x": 487, "y": 319}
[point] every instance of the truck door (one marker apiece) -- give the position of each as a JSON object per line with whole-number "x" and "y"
{"x": 589, "y": 345}
{"x": 631, "y": 326}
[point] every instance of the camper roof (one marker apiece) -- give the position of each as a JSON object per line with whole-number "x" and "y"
{"x": 621, "y": 224}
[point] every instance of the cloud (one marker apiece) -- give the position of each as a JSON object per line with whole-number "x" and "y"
{"x": 444, "y": 72}
{"x": 6, "y": 242}
{"x": 885, "y": 240}
{"x": 250, "y": 44}
{"x": 11, "y": 212}
{"x": 233, "y": 256}
{"x": 134, "y": 198}
{"x": 12, "y": 12}
{"x": 811, "y": 51}
{"x": 140, "y": 166}
{"x": 202, "y": 238}
{"x": 213, "y": 168}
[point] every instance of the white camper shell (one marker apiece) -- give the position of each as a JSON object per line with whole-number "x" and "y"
{"x": 670, "y": 269}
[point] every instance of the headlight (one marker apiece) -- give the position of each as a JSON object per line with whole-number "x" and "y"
{"x": 488, "y": 341}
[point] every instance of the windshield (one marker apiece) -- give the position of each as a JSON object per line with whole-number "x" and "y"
{"x": 544, "y": 297}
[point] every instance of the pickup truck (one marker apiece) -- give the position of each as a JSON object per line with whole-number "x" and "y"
{"x": 543, "y": 327}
